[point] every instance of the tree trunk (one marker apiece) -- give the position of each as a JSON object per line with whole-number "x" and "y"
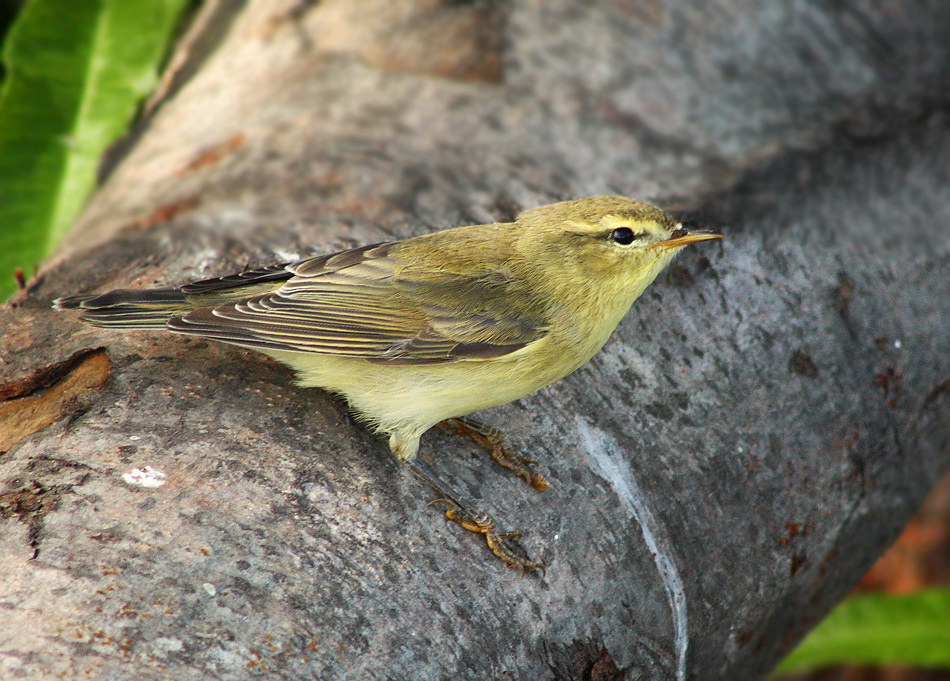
{"x": 756, "y": 432}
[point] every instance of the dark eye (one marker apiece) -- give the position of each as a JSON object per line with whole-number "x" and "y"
{"x": 623, "y": 236}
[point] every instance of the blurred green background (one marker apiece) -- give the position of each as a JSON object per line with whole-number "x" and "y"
{"x": 75, "y": 72}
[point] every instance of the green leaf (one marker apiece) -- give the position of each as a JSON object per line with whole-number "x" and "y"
{"x": 75, "y": 73}
{"x": 911, "y": 631}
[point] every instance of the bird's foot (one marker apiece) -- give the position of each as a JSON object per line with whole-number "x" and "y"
{"x": 493, "y": 440}
{"x": 483, "y": 524}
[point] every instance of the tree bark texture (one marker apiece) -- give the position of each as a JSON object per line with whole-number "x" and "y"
{"x": 756, "y": 432}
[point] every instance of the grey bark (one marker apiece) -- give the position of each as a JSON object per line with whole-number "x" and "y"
{"x": 754, "y": 435}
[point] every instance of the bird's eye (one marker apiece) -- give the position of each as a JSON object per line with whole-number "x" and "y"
{"x": 624, "y": 236}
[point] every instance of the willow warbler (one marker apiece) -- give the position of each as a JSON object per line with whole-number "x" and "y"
{"x": 435, "y": 327}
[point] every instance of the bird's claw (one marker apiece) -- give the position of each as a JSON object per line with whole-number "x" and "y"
{"x": 484, "y": 524}
{"x": 493, "y": 440}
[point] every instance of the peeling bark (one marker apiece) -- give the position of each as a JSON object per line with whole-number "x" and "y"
{"x": 32, "y": 402}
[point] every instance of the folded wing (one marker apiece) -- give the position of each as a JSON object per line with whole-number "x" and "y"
{"x": 364, "y": 303}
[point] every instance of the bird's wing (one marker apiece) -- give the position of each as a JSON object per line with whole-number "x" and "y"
{"x": 365, "y": 303}
{"x": 271, "y": 273}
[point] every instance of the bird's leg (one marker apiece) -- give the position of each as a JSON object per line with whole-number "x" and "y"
{"x": 475, "y": 522}
{"x": 493, "y": 440}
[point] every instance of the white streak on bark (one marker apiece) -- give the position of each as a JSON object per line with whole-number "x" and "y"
{"x": 606, "y": 460}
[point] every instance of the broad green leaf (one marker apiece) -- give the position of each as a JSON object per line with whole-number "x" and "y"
{"x": 911, "y": 631}
{"x": 75, "y": 73}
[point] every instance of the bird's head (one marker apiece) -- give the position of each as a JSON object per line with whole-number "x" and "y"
{"x": 604, "y": 242}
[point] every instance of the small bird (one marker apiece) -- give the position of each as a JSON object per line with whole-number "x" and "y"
{"x": 430, "y": 329}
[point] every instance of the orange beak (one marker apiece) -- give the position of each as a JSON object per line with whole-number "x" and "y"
{"x": 683, "y": 237}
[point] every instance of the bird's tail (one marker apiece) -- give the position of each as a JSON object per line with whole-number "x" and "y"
{"x": 124, "y": 309}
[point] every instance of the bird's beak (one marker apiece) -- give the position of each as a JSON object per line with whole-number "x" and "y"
{"x": 683, "y": 237}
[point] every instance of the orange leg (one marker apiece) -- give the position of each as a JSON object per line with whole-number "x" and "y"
{"x": 479, "y": 523}
{"x": 493, "y": 440}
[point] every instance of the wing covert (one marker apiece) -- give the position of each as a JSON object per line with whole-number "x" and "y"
{"x": 363, "y": 303}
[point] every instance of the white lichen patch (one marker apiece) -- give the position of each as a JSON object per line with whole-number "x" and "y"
{"x": 145, "y": 477}
{"x": 166, "y": 644}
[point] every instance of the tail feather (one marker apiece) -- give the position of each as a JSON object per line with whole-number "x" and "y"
{"x": 125, "y": 309}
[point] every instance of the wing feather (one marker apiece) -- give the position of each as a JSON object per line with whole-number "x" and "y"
{"x": 363, "y": 303}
